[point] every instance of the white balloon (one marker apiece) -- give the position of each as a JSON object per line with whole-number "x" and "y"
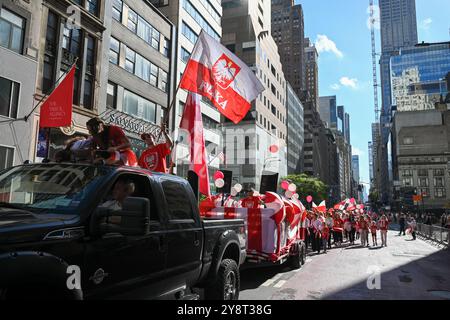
{"x": 234, "y": 192}
{"x": 292, "y": 187}
{"x": 238, "y": 187}
{"x": 220, "y": 183}
{"x": 289, "y": 194}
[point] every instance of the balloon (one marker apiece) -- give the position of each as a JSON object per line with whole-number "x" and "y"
{"x": 273, "y": 148}
{"x": 289, "y": 194}
{"x": 238, "y": 187}
{"x": 219, "y": 183}
{"x": 234, "y": 192}
{"x": 285, "y": 185}
{"x": 218, "y": 175}
{"x": 292, "y": 187}
{"x": 309, "y": 199}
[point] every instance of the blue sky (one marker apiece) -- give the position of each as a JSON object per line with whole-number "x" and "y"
{"x": 345, "y": 64}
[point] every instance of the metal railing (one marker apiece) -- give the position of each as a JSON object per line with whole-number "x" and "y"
{"x": 438, "y": 234}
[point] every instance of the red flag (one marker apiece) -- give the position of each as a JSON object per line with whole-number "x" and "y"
{"x": 217, "y": 74}
{"x": 193, "y": 124}
{"x": 56, "y": 111}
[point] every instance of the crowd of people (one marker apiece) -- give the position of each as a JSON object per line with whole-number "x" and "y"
{"x": 332, "y": 227}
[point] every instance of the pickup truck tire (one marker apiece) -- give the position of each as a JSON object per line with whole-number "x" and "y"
{"x": 227, "y": 283}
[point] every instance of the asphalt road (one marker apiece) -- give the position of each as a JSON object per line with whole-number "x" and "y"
{"x": 405, "y": 269}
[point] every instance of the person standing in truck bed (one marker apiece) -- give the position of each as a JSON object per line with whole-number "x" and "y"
{"x": 154, "y": 158}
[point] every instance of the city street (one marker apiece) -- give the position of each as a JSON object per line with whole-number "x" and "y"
{"x": 409, "y": 270}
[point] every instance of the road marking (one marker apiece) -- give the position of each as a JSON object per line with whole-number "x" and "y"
{"x": 271, "y": 281}
{"x": 280, "y": 284}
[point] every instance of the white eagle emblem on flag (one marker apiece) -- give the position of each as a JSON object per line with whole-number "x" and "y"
{"x": 225, "y": 71}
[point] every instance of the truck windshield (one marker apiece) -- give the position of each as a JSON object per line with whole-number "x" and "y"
{"x": 48, "y": 188}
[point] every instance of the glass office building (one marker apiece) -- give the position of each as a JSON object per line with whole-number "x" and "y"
{"x": 418, "y": 76}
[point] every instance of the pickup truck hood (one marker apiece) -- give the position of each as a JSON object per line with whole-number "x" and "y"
{"x": 18, "y": 226}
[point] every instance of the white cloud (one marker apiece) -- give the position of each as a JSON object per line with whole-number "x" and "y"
{"x": 324, "y": 44}
{"x": 425, "y": 24}
{"x": 357, "y": 152}
{"x": 349, "y": 82}
{"x": 335, "y": 86}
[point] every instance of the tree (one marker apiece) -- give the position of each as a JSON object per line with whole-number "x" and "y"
{"x": 309, "y": 186}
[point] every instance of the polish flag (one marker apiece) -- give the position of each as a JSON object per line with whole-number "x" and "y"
{"x": 56, "y": 111}
{"x": 217, "y": 74}
{"x": 322, "y": 207}
{"x": 193, "y": 124}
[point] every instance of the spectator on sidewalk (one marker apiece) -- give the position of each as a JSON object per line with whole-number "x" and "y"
{"x": 412, "y": 226}
{"x": 402, "y": 223}
{"x": 383, "y": 225}
{"x": 443, "y": 220}
{"x": 428, "y": 220}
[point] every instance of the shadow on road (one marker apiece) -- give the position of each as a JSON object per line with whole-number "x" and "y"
{"x": 256, "y": 276}
{"x": 428, "y": 278}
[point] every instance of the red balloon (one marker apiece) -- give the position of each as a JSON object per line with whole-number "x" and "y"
{"x": 309, "y": 199}
{"x": 273, "y": 148}
{"x": 218, "y": 175}
{"x": 285, "y": 185}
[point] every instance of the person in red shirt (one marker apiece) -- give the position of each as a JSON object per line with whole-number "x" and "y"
{"x": 253, "y": 200}
{"x": 110, "y": 144}
{"x": 363, "y": 230}
{"x": 383, "y": 224}
{"x": 338, "y": 228}
{"x": 154, "y": 158}
{"x": 373, "y": 231}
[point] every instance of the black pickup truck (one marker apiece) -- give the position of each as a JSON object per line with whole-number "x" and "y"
{"x": 80, "y": 231}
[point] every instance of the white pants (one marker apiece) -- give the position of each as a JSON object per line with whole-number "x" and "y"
{"x": 364, "y": 235}
{"x": 384, "y": 237}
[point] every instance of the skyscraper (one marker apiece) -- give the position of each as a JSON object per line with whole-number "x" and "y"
{"x": 328, "y": 111}
{"x": 398, "y": 30}
{"x": 288, "y": 31}
{"x": 347, "y": 127}
{"x": 312, "y": 72}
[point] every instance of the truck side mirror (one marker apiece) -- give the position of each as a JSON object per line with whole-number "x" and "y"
{"x": 132, "y": 220}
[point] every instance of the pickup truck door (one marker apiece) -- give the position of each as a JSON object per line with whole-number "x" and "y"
{"x": 184, "y": 232}
{"x": 116, "y": 263}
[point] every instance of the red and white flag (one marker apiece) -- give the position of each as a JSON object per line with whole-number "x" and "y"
{"x": 217, "y": 74}
{"x": 56, "y": 111}
{"x": 192, "y": 122}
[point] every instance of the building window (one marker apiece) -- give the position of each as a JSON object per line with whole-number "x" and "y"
{"x": 6, "y": 157}
{"x": 111, "y": 95}
{"x": 114, "y": 51}
{"x": 92, "y": 6}
{"x": 139, "y": 107}
{"x": 89, "y": 77}
{"x": 132, "y": 21}
{"x": 117, "y": 10}
{"x": 154, "y": 75}
{"x": 162, "y": 80}
{"x": 12, "y": 29}
{"x": 51, "y": 45}
{"x": 408, "y": 141}
{"x": 440, "y": 193}
{"x": 423, "y": 182}
{"x": 185, "y": 55}
{"x": 147, "y": 33}
{"x": 439, "y": 182}
{"x": 166, "y": 49}
{"x": 130, "y": 60}
{"x": 188, "y": 33}
{"x": 9, "y": 98}
{"x": 71, "y": 50}
{"x": 438, "y": 172}
{"x": 423, "y": 172}
{"x": 407, "y": 173}
{"x": 192, "y": 11}
{"x": 407, "y": 182}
